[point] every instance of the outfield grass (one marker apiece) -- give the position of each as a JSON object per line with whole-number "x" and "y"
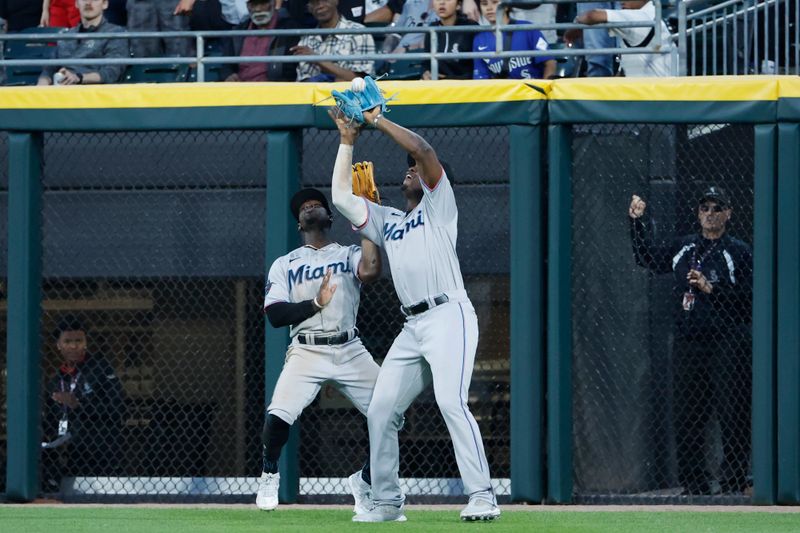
{"x": 192, "y": 520}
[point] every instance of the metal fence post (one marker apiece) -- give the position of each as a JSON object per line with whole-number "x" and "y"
{"x": 283, "y": 178}
{"x": 527, "y": 313}
{"x": 24, "y": 296}
{"x": 788, "y": 333}
{"x": 559, "y": 316}
{"x": 682, "y": 51}
{"x": 200, "y": 52}
{"x": 764, "y": 231}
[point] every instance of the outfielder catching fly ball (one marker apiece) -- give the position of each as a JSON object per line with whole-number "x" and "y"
{"x": 440, "y": 335}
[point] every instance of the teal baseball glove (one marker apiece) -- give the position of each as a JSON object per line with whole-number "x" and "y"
{"x": 353, "y": 103}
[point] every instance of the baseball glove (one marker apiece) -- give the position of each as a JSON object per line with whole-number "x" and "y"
{"x": 353, "y": 104}
{"x": 364, "y": 182}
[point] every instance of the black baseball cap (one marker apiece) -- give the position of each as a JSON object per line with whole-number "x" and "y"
{"x": 717, "y": 194}
{"x": 304, "y": 195}
{"x": 447, "y": 168}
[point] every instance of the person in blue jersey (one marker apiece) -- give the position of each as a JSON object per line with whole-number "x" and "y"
{"x": 541, "y": 67}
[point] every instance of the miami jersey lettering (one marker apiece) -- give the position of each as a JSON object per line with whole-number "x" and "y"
{"x": 297, "y": 276}
{"x": 421, "y": 244}
{"x": 396, "y": 231}
{"x": 305, "y": 273}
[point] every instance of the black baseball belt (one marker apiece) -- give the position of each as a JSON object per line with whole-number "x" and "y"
{"x": 327, "y": 340}
{"x": 424, "y": 305}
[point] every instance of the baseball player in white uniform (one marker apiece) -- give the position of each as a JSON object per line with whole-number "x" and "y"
{"x": 315, "y": 290}
{"x": 440, "y": 336}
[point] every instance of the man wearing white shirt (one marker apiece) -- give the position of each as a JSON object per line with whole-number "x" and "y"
{"x": 633, "y": 65}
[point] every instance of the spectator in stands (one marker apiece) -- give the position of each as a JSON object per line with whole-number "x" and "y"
{"x": 597, "y": 65}
{"x": 632, "y": 65}
{"x": 157, "y": 15}
{"x": 327, "y": 16}
{"x": 216, "y": 15}
{"x": 712, "y": 301}
{"x": 92, "y": 21}
{"x": 264, "y": 16}
{"x": 117, "y": 12}
{"x": 414, "y": 13}
{"x": 59, "y": 14}
{"x": 84, "y": 409}
{"x": 514, "y": 67}
{"x": 361, "y": 11}
{"x": 212, "y": 15}
{"x": 20, "y": 14}
{"x": 536, "y": 13}
{"x": 450, "y": 14}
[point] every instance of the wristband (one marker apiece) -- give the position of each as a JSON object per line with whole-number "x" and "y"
{"x": 375, "y": 120}
{"x": 316, "y": 303}
{"x": 80, "y": 77}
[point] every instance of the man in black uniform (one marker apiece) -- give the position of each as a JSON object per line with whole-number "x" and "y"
{"x": 83, "y": 411}
{"x": 712, "y": 298}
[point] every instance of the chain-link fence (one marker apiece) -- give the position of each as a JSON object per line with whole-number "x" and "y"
{"x": 662, "y": 312}
{"x": 3, "y": 300}
{"x": 334, "y": 435}
{"x": 154, "y": 242}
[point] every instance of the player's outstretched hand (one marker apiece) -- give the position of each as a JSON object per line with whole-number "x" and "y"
{"x": 369, "y": 116}
{"x": 326, "y": 290}
{"x": 637, "y": 207}
{"x": 348, "y": 129}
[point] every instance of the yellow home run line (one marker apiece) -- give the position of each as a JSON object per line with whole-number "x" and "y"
{"x": 160, "y": 95}
{"x": 692, "y": 89}
{"x": 178, "y": 95}
{"x": 190, "y": 95}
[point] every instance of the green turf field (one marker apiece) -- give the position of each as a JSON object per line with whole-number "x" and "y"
{"x": 192, "y": 520}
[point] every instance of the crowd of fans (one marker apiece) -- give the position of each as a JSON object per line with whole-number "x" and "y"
{"x": 111, "y": 16}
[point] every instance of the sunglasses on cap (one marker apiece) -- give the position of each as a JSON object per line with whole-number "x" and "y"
{"x": 705, "y": 208}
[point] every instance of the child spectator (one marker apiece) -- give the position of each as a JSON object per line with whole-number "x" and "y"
{"x": 513, "y": 67}
{"x": 450, "y": 14}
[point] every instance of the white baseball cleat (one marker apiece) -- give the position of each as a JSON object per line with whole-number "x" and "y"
{"x": 382, "y": 513}
{"x": 480, "y": 509}
{"x": 362, "y": 493}
{"x": 267, "y": 497}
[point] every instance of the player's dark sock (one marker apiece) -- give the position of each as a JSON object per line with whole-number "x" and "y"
{"x": 365, "y": 475}
{"x": 274, "y": 436}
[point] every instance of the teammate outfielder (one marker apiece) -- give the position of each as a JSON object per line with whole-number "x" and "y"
{"x": 315, "y": 290}
{"x": 440, "y": 335}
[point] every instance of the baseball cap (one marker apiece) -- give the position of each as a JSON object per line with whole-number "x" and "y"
{"x": 447, "y": 168}
{"x": 304, "y": 195}
{"x": 717, "y": 194}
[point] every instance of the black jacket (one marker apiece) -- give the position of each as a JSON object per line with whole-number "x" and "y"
{"x": 726, "y": 262}
{"x": 453, "y": 69}
{"x": 97, "y": 421}
{"x": 21, "y": 14}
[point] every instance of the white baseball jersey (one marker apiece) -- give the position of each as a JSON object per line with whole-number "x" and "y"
{"x": 297, "y": 276}
{"x": 436, "y": 346}
{"x": 421, "y": 244}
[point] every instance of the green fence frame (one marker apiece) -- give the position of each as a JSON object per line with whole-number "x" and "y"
{"x": 539, "y": 310}
{"x": 284, "y": 126}
{"x": 767, "y": 361}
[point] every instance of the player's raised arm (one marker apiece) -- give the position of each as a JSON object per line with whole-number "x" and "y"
{"x": 428, "y": 166}
{"x": 351, "y": 206}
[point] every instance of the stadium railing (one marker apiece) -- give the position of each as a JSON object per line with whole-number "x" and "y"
{"x": 200, "y": 60}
